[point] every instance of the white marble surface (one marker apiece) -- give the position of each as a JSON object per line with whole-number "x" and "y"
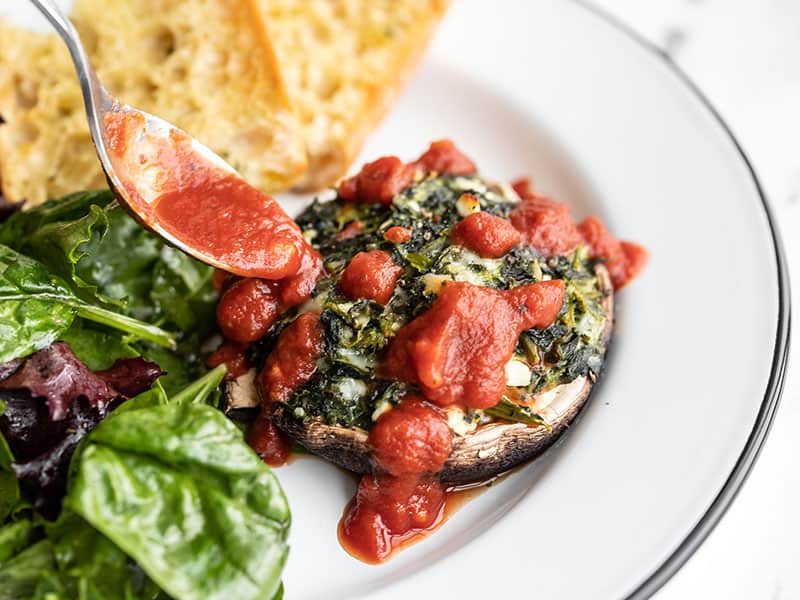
{"x": 745, "y": 56}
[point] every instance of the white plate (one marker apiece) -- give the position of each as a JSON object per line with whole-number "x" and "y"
{"x": 552, "y": 89}
{"x": 602, "y": 121}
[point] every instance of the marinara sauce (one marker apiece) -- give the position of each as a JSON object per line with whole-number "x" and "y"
{"x": 548, "y": 226}
{"x": 380, "y": 180}
{"x": 456, "y": 354}
{"x": 291, "y": 363}
{"x": 202, "y": 205}
{"x": 405, "y": 501}
{"x": 372, "y": 275}
{"x": 487, "y": 235}
{"x": 293, "y": 360}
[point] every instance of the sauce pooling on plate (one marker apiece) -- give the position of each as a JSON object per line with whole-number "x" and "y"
{"x": 446, "y": 304}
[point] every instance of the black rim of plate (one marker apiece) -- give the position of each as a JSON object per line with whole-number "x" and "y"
{"x": 769, "y": 405}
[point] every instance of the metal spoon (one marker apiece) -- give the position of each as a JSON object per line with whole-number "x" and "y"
{"x": 136, "y": 170}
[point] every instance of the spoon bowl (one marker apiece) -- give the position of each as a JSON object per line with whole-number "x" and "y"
{"x": 176, "y": 187}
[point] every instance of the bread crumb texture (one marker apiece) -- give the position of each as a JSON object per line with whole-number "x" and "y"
{"x": 206, "y": 66}
{"x": 344, "y": 63}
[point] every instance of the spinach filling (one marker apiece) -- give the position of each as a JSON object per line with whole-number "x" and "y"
{"x": 345, "y": 390}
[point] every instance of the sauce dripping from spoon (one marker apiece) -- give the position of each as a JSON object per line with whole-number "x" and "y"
{"x": 189, "y": 196}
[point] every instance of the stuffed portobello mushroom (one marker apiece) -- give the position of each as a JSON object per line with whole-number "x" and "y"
{"x": 547, "y": 377}
{"x": 455, "y": 329}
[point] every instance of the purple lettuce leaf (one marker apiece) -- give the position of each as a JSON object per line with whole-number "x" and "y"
{"x": 52, "y": 400}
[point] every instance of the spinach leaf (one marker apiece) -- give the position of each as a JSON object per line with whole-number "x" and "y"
{"x": 73, "y": 561}
{"x": 60, "y": 245}
{"x": 202, "y": 391}
{"x": 114, "y": 320}
{"x": 124, "y": 264}
{"x": 98, "y": 347}
{"x": 166, "y": 498}
{"x": 180, "y": 297}
{"x": 182, "y": 292}
{"x": 178, "y": 490}
{"x": 107, "y": 260}
{"x": 93, "y": 244}
{"x": 15, "y": 231}
{"x": 9, "y": 487}
{"x": 15, "y": 537}
{"x": 179, "y": 369}
{"x": 9, "y": 493}
{"x": 32, "y": 313}
{"x": 90, "y": 566}
{"x": 36, "y": 307}
{"x": 20, "y": 575}
{"x": 118, "y": 263}
{"x": 155, "y": 396}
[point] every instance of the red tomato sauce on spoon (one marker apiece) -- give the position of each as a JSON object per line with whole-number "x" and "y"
{"x": 202, "y": 205}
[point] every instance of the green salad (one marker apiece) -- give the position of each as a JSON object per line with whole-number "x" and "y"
{"x": 119, "y": 475}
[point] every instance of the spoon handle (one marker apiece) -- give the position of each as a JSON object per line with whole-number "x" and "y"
{"x": 95, "y": 98}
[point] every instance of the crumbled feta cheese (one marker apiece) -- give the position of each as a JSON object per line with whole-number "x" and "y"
{"x": 460, "y": 422}
{"x": 354, "y": 358}
{"x": 536, "y": 271}
{"x": 351, "y": 389}
{"x": 413, "y": 206}
{"x": 434, "y": 282}
{"x": 518, "y": 374}
{"x": 467, "y": 204}
{"x": 467, "y": 266}
{"x": 589, "y": 327}
{"x": 313, "y": 304}
{"x": 381, "y": 409}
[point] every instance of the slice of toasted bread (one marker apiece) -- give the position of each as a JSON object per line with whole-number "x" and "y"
{"x": 206, "y": 66}
{"x": 344, "y": 63}
{"x": 45, "y": 148}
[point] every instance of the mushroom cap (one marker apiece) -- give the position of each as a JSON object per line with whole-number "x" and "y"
{"x": 480, "y": 456}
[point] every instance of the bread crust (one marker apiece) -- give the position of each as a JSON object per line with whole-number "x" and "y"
{"x": 334, "y": 139}
{"x": 208, "y": 67}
